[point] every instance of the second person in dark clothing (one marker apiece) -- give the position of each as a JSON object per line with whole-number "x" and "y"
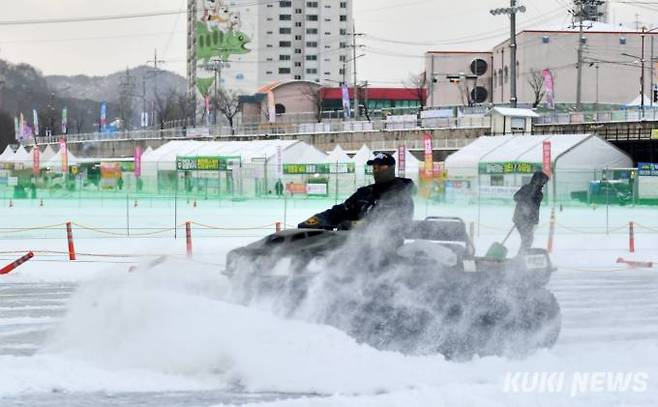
{"x": 526, "y": 214}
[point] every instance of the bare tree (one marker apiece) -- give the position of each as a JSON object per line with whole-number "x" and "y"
{"x": 173, "y": 106}
{"x": 418, "y": 86}
{"x": 536, "y": 82}
{"x": 228, "y": 104}
{"x": 315, "y": 94}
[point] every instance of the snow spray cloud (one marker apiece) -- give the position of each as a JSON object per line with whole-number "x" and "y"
{"x": 393, "y": 298}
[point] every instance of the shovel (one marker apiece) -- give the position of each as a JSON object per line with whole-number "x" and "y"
{"x": 497, "y": 250}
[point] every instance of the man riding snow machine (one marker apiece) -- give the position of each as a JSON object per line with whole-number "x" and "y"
{"x": 413, "y": 286}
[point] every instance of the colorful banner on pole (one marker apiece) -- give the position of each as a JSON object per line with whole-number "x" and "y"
{"x": 271, "y": 107}
{"x": 17, "y": 129}
{"x": 547, "y": 158}
{"x": 35, "y": 119}
{"x": 103, "y": 116}
{"x": 22, "y": 128}
{"x": 138, "y": 161}
{"x": 402, "y": 160}
{"x": 346, "y": 102}
{"x": 64, "y": 155}
{"x": 36, "y": 164}
{"x": 427, "y": 142}
{"x": 65, "y": 118}
{"x": 548, "y": 83}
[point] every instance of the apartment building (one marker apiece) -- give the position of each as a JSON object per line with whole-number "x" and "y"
{"x": 305, "y": 40}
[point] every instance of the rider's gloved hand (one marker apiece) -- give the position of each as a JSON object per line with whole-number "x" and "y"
{"x": 315, "y": 222}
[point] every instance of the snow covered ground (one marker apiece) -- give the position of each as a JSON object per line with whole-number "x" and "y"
{"x": 91, "y": 333}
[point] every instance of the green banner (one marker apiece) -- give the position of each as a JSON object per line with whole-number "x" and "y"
{"x": 205, "y": 163}
{"x": 509, "y": 167}
{"x": 300, "y": 169}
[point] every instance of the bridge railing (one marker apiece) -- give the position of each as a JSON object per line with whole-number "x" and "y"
{"x": 249, "y": 130}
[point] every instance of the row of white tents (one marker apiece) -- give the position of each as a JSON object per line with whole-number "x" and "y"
{"x": 48, "y": 158}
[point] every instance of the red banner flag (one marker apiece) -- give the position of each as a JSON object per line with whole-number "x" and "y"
{"x": 36, "y": 164}
{"x": 547, "y": 158}
{"x": 427, "y": 141}
{"x": 138, "y": 161}
{"x": 64, "y": 155}
{"x": 402, "y": 160}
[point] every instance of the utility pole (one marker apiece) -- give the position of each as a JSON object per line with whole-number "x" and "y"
{"x": 642, "y": 60}
{"x": 356, "y": 84}
{"x": 580, "y": 14}
{"x": 511, "y": 11}
{"x": 155, "y": 61}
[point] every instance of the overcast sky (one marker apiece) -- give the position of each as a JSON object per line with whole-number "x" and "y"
{"x": 398, "y": 32}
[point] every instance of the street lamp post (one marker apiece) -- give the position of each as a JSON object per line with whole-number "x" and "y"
{"x": 511, "y": 11}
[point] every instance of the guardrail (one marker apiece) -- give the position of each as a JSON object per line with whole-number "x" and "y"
{"x": 270, "y": 129}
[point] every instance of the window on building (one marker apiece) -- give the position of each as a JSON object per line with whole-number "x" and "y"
{"x": 269, "y": 46}
{"x": 285, "y": 30}
{"x": 312, "y": 4}
{"x": 284, "y": 57}
{"x": 311, "y": 44}
{"x": 545, "y": 39}
{"x": 298, "y": 24}
{"x": 343, "y": 45}
{"x": 285, "y": 17}
{"x": 327, "y": 73}
{"x": 298, "y": 64}
{"x": 298, "y": 51}
{"x": 312, "y": 17}
{"x": 270, "y": 33}
{"x": 311, "y": 71}
{"x": 327, "y": 20}
{"x": 298, "y": 77}
{"x": 298, "y": 11}
{"x": 269, "y": 72}
{"x": 343, "y": 18}
{"x": 342, "y": 58}
{"x": 284, "y": 44}
{"x": 284, "y": 70}
{"x": 343, "y": 4}
{"x": 270, "y": 59}
{"x": 343, "y": 31}
{"x": 327, "y": 33}
{"x": 341, "y": 71}
{"x": 285, "y": 4}
{"x": 311, "y": 31}
{"x": 298, "y": 37}
{"x": 311, "y": 57}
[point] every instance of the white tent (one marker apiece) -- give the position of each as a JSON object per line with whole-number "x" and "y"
{"x": 21, "y": 156}
{"x": 637, "y": 102}
{"x": 7, "y": 156}
{"x": 338, "y": 155}
{"x": 55, "y": 162}
{"x": 362, "y": 156}
{"x": 498, "y": 166}
{"x": 46, "y": 155}
{"x": 411, "y": 165}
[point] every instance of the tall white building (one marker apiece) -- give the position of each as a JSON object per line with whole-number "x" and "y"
{"x": 243, "y": 45}
{"x": 309, "y": 40}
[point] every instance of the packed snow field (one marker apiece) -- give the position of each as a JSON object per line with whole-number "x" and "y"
{"x": 92, "y": 333}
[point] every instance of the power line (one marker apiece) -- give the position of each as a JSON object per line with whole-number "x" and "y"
{"x": 90, "y": 18}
